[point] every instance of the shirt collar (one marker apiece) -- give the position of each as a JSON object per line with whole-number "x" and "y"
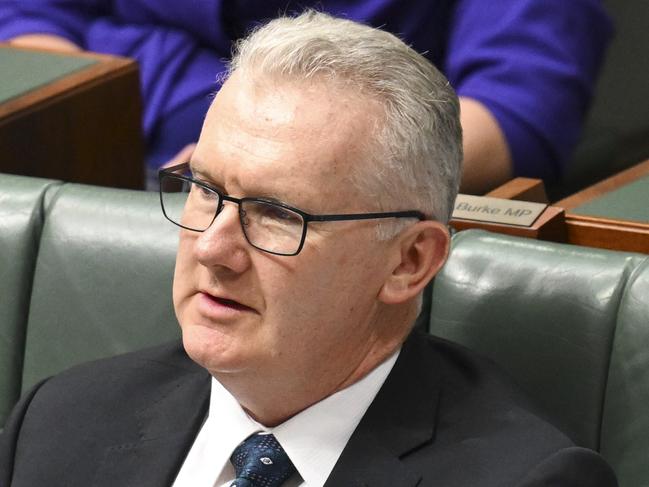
{"x": 313, "y": 438}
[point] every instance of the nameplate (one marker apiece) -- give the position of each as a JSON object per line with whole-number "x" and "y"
{"x": 496, "y": 210}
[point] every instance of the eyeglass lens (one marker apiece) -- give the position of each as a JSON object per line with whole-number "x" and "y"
{"x": 266, "y": 225}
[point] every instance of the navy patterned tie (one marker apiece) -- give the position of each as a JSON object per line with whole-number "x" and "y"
{"x": 260, "y": 461}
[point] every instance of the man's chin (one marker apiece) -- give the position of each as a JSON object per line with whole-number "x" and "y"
{"x": 218, "y": 355}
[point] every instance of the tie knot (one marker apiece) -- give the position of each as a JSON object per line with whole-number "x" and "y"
{"x": 260, "y": 461}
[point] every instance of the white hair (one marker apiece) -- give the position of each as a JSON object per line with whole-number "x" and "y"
{"x": 417, "y": 146}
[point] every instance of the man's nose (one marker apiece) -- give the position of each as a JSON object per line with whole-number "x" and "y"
{"x": 223, "y": 244}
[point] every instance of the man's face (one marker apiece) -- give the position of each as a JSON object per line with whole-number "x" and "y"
{"x": 304, "y": 318}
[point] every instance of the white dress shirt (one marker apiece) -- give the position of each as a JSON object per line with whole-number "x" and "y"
{"x": 313, "y": 438}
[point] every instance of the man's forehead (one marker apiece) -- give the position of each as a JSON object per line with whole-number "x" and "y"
{"x": 284, "y": 137}
{"x": 305, "y": 116}
{"x": 316, "y": 101}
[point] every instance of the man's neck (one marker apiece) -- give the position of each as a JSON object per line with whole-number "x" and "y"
{"x": 271, "y": 396}
{"x": 270, "y": 401}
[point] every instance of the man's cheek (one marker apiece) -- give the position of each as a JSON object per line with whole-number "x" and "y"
{"x": 185, "y": 277}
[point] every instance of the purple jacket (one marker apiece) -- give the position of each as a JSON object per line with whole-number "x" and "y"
{"x": 533, "y": 63}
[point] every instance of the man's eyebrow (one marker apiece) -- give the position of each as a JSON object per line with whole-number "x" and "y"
{"x": 272, "y": 199}
{"x": 195, "y": 168}
{"x": 204, "y": 177}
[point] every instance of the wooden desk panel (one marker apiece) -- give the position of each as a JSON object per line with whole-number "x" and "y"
{"x": 613, "y": 183}
{"x": 607, "y": 228}
{"x": 82, "y": 127}
{"x": 609, "y": 234}
{"x": 589, "y": 221}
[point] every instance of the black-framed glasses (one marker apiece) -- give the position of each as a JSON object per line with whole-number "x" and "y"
{"x": 271, "y": 226}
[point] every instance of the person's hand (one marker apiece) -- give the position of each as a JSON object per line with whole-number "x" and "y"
{"x": 45, "y": 41}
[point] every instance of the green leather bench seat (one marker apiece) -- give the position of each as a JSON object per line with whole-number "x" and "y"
{"x": 570, "y": 324}
{"x": 625, "y": 426}
{"x": 21, "y": 215}
{"x": 102, "y": 282}
{"x": 88, "y": 272}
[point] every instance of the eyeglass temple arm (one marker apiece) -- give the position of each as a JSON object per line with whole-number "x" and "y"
{"x": 166, "y": 170}
{"x": 366, "y": 216}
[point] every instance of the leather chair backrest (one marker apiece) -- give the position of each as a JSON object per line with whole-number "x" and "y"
{"x": 570, "y": 324}
{"x": 102, "y": 281}
{"x": 21, "y": 215}
{"x": 625, "y": 426}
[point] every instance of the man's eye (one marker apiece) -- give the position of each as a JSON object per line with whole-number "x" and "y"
{"x": 204, "y": 192}
{"x": 279, "y": 213}
{"x": 275, "y": 213}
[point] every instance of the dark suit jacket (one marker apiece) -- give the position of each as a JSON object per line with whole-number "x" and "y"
{"x": 444, "y": 417}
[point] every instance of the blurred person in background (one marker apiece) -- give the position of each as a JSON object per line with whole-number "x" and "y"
{"x": 524, "y": 69}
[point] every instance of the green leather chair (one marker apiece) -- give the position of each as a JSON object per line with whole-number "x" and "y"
{"x": 21, "y": 216}
{"x": 102, "y": 280}
{"x": 570, "y": 324}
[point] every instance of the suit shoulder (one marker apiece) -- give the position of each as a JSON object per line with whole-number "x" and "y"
{"x": 476, "y": 387}
{"x": 117, "y": 376}
{"x": 69, "y": 421}
{"x": 169, "y": 354}
{"x": 485, "y": 418}
{"x": 571, "y": 466}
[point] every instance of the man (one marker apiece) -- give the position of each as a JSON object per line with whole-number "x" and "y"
{"x": 313, "y": 214}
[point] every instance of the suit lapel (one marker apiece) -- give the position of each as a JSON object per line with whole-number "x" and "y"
{"x": 401, "y": 419}
{"x": 161, "y": 437}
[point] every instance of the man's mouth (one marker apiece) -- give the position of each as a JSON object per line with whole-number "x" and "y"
{"x": 228, "y": 303}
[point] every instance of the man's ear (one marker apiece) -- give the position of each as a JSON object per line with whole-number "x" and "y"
{"x": 420, "y": 251}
